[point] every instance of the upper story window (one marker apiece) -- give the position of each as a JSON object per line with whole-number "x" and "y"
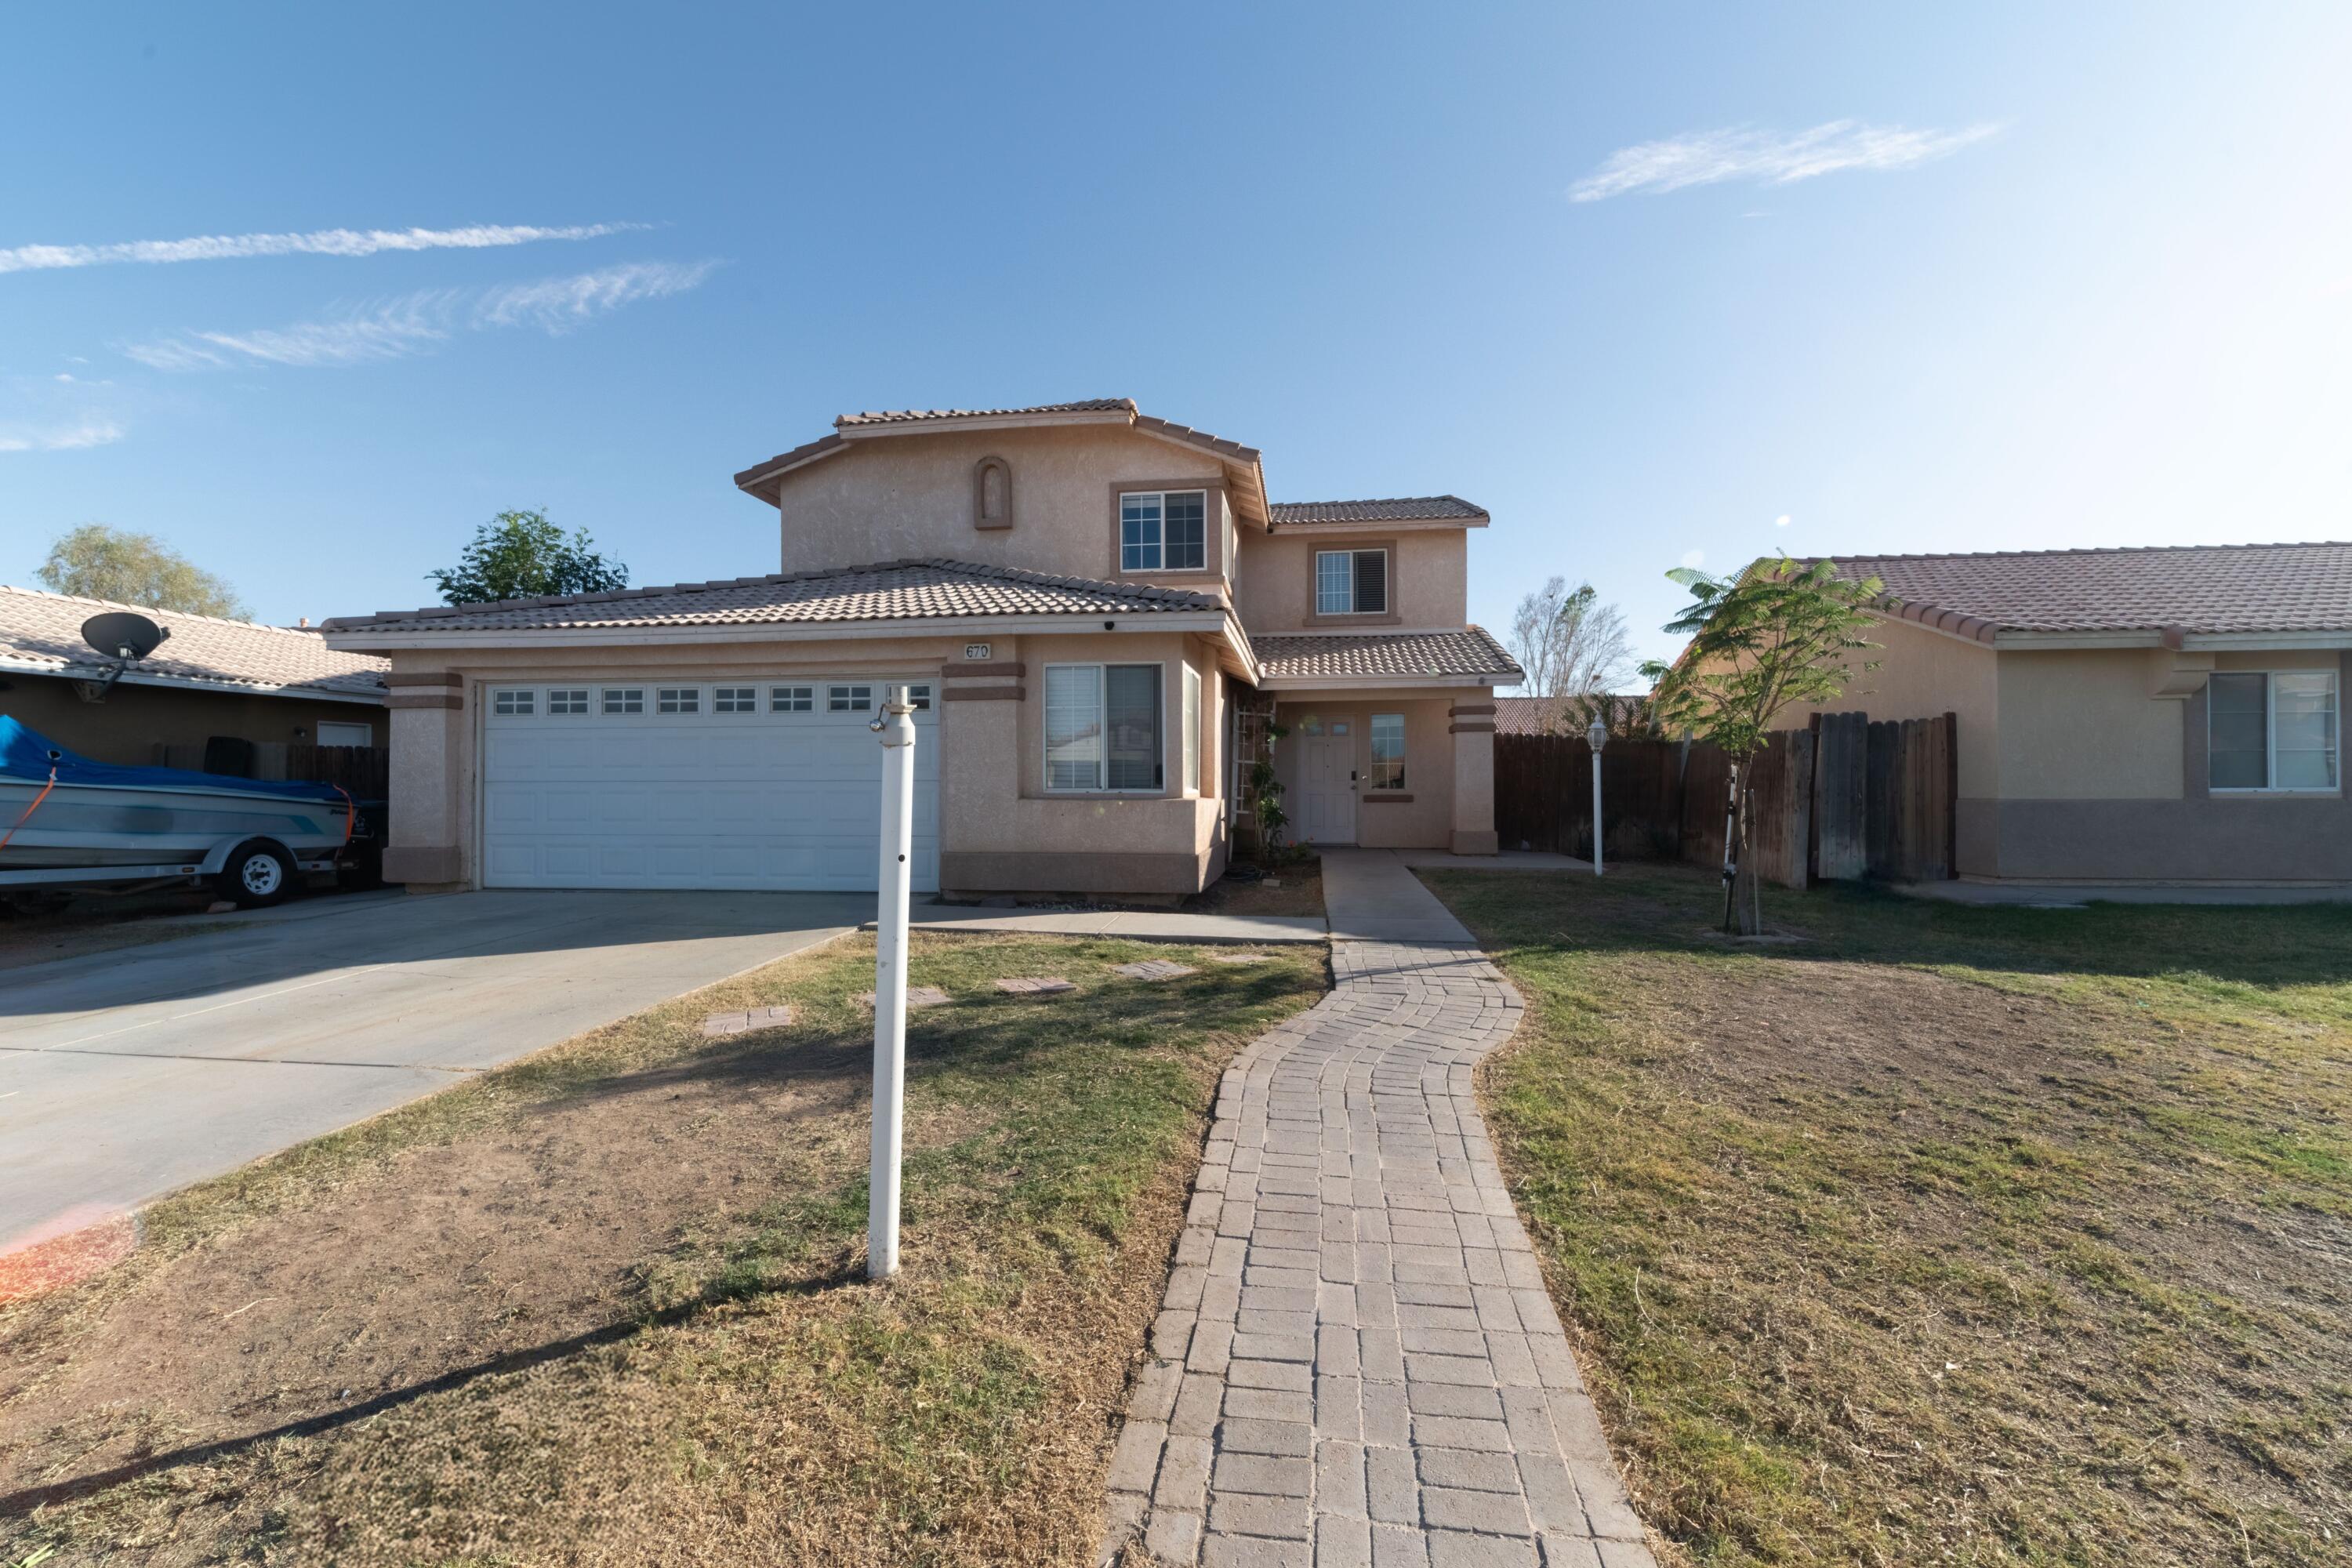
{"x": 1163, "y": 530}
{"x": 2273, "y": 731}
{"x": 1351, "y": 582}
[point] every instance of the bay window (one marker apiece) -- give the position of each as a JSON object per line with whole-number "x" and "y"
{"x": 2272, "y": 730}
{"x": 1103, "y": 729}
{"x": 1163, "y": 530}
{"x": 1351, "y": 582}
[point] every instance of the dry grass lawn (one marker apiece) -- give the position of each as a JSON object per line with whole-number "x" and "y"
{"x": 1948, "y": 1235}
{"x": 607, "y": 1306}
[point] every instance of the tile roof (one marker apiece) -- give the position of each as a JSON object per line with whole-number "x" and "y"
{"x": 1403, "y": 508}
{"x": 1527, "y": 715}
{"x": 1470, "y": 651}
{"x": 889, "y": 590}
{"x": 916, "y": 416}
{"x": 42, "y": 631}
{"x": 2215, "y": 588}
{"x": 755, "y": 478}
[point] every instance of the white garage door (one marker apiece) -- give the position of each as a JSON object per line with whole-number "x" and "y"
{"x": 648, "y": 784}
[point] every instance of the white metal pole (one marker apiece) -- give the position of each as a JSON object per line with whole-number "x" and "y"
{"x": 897, "y": 728}
{"x": 1596, "y": 811}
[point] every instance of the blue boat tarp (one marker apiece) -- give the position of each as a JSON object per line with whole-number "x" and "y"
{"x": 25, "y": 755}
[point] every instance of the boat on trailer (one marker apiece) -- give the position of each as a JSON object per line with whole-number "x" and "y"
{"x": 67, "y": 822}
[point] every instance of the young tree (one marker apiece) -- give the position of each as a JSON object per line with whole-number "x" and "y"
{"x": 521, "y": 556}
{"x": 1572, "y": 648}
{"x": 1781, "y": 632}
{"x": 95, "y": 562}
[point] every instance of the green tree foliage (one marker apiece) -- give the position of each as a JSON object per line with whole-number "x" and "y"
{"x": 1780, "y": 633}
{"x": 521, "y": 556}
{"x": 95, "y": 562}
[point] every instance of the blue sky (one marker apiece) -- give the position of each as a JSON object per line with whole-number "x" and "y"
{"x": 1925, "y": 279}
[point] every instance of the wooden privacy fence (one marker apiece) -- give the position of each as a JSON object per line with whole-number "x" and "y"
{"x": 1843, "y": 799}
{"x": 364, "y": 771}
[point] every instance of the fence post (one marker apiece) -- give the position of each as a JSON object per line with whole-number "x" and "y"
{"x": 1951, "y": 794}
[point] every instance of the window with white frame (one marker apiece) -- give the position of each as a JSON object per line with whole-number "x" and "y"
{"x": 1103, "y": 728}
{"x": 918, "y": 697}
{"x": 1351, "y": 582}
{"x": 679, "y": 700}
{"x": 1190, "y": 777}
{"x": 624, "y": 699}
{"x": 2275, "y": 730}
{"x": 1163, "y": 530}
{"x": 792, "y": 698}
{"x": 848, "y": 699}
{"x": 513, "y": 704}
{"x": 734, "y": 700}
{"x": 567, "y": 700}
{"x": 1388, "y": 752}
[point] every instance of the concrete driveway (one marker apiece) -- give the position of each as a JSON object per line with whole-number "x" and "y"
{"x": 126, "y": 1074}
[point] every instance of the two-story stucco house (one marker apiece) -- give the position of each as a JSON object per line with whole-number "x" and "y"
{"x": 1085, "y": 600}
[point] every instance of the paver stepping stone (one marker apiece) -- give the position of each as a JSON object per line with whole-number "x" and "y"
{"x": 720, "y": 1024}
{"x": 917, "y": 997}
{"x": 1155, "y": 969}
{"x": 1035, "y": 985}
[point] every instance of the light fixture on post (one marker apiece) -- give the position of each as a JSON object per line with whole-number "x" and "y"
{"x": 1596, "y": 735}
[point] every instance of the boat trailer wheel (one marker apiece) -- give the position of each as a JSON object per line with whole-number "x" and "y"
{"x": 258, "y": 874}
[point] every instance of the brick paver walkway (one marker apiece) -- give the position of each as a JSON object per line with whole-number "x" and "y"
{"x": 1357, "y": 1363}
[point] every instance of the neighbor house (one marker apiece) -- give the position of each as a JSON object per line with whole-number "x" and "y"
{"x": 2129, "y": 715}
{"x": 1099, "y": 612}
{"x": 261, "y": 688}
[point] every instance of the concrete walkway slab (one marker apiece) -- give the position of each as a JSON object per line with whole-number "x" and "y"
{"x": 1136, "y": 925}
{"x": 126, "y": 1074}
{"x": 1356, "y": 1361}
{"x": 1371, "y": 895}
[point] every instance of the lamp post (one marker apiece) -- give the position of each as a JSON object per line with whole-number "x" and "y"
{"x": 1596, "y": 735}
{"x": 896, "y": 726}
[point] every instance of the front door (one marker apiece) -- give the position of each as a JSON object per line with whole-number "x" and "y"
{"x": 1326, "y": 794}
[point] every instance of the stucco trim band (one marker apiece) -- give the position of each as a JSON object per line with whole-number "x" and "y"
{"x": 999, "y": 666}
{"x": 1471, "y": 728}
{"x": 426, "y": 700}
{"x": 1463, "y": 709}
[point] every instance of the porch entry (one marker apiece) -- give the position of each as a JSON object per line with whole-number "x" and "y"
{"x": 1326, "y": 794}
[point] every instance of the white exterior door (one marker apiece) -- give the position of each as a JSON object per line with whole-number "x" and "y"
{"x": 664, "y": 781}
{"x": 1326, "y": 794}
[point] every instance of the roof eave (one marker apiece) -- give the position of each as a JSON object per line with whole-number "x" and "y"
{"x": 1208, "y": 618}
{"x": 225, "y": 684}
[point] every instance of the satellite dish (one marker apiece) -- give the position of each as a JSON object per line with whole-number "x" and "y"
{"x": 123, "y": 633}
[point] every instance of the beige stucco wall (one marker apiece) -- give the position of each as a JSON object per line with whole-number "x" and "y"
{"x": 2085, "y": 725}
{"x": 905, "y": 497}
{"x": 1924, "y": 675}
{"x": 1430, "y": 586}
{"x": 133, "y": 719}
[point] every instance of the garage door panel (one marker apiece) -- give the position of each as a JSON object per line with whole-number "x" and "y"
{"x": 701, "y": 800}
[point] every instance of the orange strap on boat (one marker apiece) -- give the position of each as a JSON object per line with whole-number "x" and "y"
{"x": 32, "y": 808}
{"x": 351, "y": 813}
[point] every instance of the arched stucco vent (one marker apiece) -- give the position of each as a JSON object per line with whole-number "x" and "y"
{"x": 992, "y": 493}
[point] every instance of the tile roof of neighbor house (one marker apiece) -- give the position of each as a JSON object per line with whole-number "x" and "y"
{"x": 889, "y": 590}
{"x": 1470, "y": 651}
{"x": 914, "y": 415}
{"x": 2195, "y": 589}
{"x": 1403, "y": 508}
{"x": 41, "y": 632}
{"x": 1524, "y": 715}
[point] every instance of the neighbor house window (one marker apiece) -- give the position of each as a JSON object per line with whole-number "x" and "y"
{"x": 1387, "y": 751}
{"x": 1164, "y": 532}
{"x": 680, "y": 700}
{"x": 735, "y": 699}
{"x": 848, "y": 699}
{"x": 624, "y": 699}
{"x": 1191, "y": 776}
{"x": 1351, "y": 582}
{"x": 2271, "y": 731}
{"x": 568, "y": 700}
{"x": 792, "y": 698}
{"x": 1102, "y": 727}
{"x": 511, "y": 704}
